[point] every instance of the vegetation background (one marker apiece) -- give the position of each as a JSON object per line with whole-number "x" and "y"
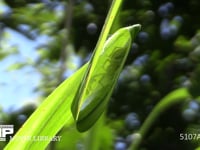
{"x": 164, "y": 57}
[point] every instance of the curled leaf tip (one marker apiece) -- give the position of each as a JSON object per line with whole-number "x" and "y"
{"x": 134, "y": 29}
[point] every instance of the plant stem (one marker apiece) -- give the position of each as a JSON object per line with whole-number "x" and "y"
{"x": 175, "y": 97}
{"x": 98, "y": 49}
{"x": 92, "y": 141}
{"x": 108, "y": 24}
{"x": 99, "y": 46}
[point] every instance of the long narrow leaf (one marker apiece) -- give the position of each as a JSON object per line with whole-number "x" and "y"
{"x": 49, "y": 118}
{"x": 101, "y": 76}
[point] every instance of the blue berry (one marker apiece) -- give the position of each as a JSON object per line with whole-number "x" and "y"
{"x": 134, "y": 47}
{"x": 163, "y": 11}
{"x": 145, "y": 78}
{"x": 120, "y": 145}
{"x": 194, "y": 105}
{"x": 178, "y": 19}
{"x": 88, "y": 7}
{"x": 141, "y": 60}
{"x": 132, "y": 121}
{"x": 167, "y": 30}
{"x": 149, "y": 15}
{"x": 91, "y": 28}
{"x": 165, "y": 33}
{"x": 164, "y": 23}
{"x": 170, "y": 6}
{"x": 189, "y": 114}
{"x": 143, "y": 37}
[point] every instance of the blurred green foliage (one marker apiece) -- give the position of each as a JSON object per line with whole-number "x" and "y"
{"x": 164, "y": 57}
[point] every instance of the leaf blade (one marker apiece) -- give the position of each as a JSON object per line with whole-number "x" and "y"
{"x": 102, "y": 75}
{"x": 50, "y": 116}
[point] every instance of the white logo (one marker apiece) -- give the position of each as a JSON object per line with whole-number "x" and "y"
{"x": 5, "y": 130}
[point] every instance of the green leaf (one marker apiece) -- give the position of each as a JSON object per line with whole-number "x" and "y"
{"x": 50, "y": 117}
{"x": 16, "y": 66}
{"x": 101, "y": 76}
{"x": 55, "y": 110}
